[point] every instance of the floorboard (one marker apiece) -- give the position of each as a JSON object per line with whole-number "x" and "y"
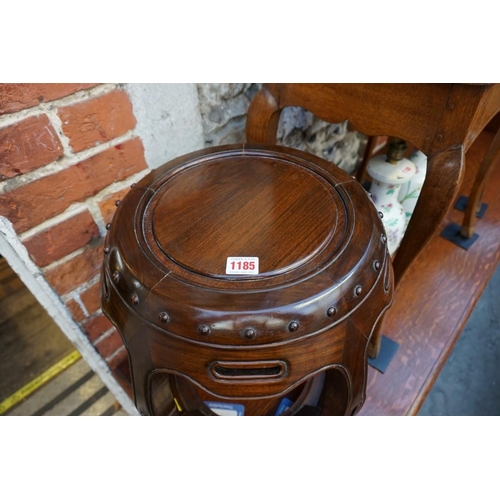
{"x": 433, "y": 303}
{"x": 30, "y": 344}
{"x": 30, "y": 341}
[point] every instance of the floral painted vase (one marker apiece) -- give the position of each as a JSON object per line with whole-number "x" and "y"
{"x": 409, "y": 193}
{"x": 387, "y": 181}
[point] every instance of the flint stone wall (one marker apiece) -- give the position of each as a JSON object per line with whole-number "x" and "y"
{"x": 224, "y": 106}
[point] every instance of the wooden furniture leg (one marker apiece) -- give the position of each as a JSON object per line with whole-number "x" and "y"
{"x": 263, "y": 118}
{"x": 141, "y": 367}
{"x": 476, "y": 194}
{"x": 444, "y": 176}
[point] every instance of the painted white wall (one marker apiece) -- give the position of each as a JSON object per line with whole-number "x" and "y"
{"x": 17, "y": 257}
{"x": 168, "y": 119}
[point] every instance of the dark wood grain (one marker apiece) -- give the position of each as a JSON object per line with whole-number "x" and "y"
{"x": 412, "y": 112}
{"x": 325, "y": 280}
{"x": 294, "y": 215}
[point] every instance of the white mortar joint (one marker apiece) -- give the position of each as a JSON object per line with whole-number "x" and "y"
{"x": 82, "y": 288}
{"x": 43, "y": 107}
{"x": 90, "y": 204}
{"x": 62, "y": 164}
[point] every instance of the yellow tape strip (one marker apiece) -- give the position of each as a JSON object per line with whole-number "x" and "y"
{"x": 179, "y": 409}
{"x": 39, "y": 381}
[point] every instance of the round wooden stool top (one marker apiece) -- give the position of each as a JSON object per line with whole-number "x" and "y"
{"x": 242, "y": 272}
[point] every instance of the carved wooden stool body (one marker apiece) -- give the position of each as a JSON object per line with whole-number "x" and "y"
{"x": 324, "y": 279}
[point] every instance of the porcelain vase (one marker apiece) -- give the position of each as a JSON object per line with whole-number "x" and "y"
{"x": 410, "y": 192}
{"x": 387, "y": 181}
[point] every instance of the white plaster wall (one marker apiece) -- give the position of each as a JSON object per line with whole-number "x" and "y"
{"x": 168, "y": 119}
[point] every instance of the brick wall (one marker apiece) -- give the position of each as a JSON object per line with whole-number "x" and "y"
{"x": 67, "y": 153}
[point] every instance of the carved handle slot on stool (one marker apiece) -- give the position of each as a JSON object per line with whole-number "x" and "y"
{"x": 230, "y": 370}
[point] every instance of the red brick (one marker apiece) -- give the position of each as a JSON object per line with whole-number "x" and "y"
{"x": 75, "y": 310}
{"x": 106, "y": 347}
{"x": 91, "y": 298}
{"x": 118, "y": 359}
{"x": 27, "y": 145}
{"x": 32, "y": 203}
{"x": 60, "y": 240}
{"x": 97, "y": 120}
{"x": 17, "y": 96}
{"x": 108, "y": 204}
{"x": 96, "y": 326}
{"x": 75, "y": 272}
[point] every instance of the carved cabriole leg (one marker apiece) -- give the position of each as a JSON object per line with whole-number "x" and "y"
{"x": 477, "y": 190}
{"x": 376, "y": 340}
{"x": 444, "y": 176}
{"x": 263, "y": 116}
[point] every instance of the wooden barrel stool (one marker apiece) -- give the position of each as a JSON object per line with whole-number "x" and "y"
{"x": 247, "y": 278}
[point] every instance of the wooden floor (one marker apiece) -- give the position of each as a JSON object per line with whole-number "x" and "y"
{"x": 76, "y": 391}
{"x": 434, "y": 301}
{"x": 30, "y": 344}
{"x": 30, "y": 341}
